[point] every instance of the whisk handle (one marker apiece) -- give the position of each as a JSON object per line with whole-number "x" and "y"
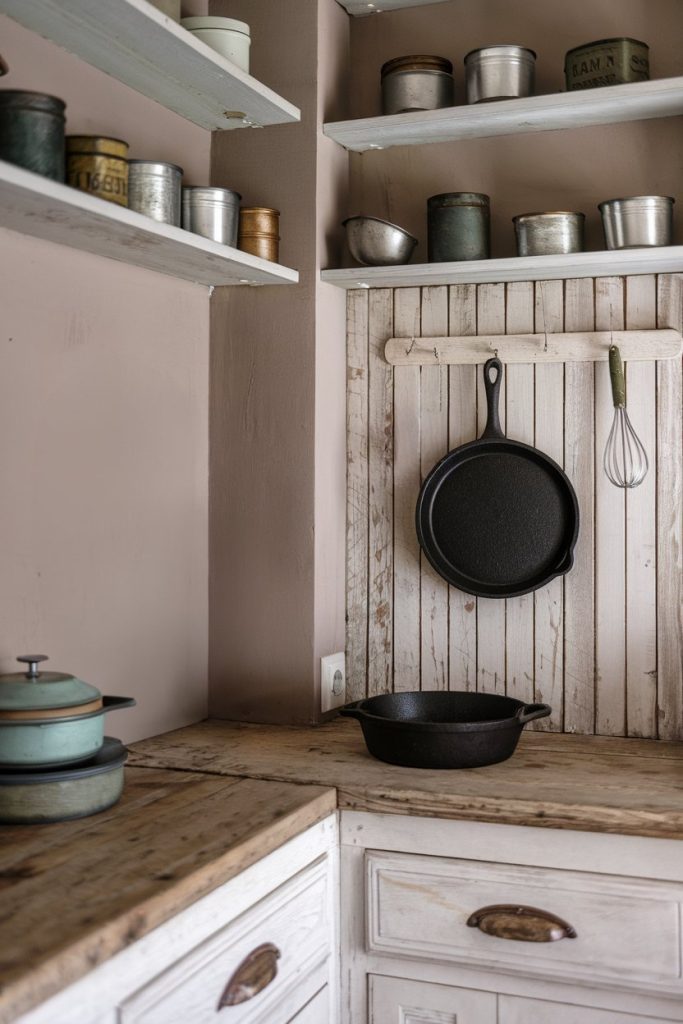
{"x": 616, "y": 372}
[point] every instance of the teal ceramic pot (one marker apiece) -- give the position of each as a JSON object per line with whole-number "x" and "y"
{"x": 50, "y": 719}
{"x": 39, "y": 796}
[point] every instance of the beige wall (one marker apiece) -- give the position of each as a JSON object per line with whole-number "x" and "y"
{"x": 103, "y": 436}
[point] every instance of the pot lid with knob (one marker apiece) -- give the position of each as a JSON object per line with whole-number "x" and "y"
{"x": 23, "y": 693}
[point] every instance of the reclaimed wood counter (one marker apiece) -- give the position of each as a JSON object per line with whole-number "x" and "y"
{"x": 590, "y": 783}
{"x": 76, "y": 893}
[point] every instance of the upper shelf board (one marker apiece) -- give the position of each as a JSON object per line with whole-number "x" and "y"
{"x": 610, "y": 104}
{"x": 657, "y": 260}
{"x": 46, "y": 209}
{"x": 361, "y": 8}
{"x": 134, "y": 42}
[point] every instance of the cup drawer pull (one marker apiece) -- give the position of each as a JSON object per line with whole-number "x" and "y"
{"x": 524, "y": 924}
{"x": 255, "y": 973}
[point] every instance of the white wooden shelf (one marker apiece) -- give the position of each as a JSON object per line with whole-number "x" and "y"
{"x": 610, "y": 104}
{"x": 135, "y": 43}
{"x": 361, "y": 8}
{"x": 660, "y": 260}
{"x": 46, "y": 209}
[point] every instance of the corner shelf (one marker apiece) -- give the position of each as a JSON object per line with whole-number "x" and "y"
{"x": 660, "y": 260}
{"x": 134, "y": 42}
{"x": 610, "y": 104}
{"x": 361, "y": 8}
{"x": 37, "y": 206}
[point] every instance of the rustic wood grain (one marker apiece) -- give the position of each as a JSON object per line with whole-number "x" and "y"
{"x": 357, "y": 495}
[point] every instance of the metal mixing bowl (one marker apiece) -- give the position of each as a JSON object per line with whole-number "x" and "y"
{"x": 378, "y": 243}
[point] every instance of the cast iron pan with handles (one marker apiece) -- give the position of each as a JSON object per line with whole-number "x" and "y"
{"x": 442, "y": 729}
{"x": 497, "y": 518}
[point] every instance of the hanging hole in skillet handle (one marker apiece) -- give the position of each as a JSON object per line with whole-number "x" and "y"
{"x": 531, "y": 711}
{"x": 492, "y": 387}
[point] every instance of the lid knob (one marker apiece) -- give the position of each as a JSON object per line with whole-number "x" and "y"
{"x": 32, "y": 660}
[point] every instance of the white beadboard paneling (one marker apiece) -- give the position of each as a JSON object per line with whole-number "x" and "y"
{"x": 357, "y": 495}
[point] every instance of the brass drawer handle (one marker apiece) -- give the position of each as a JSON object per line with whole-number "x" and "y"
{"x": 524, "y": 924}
{"x": 255, "y": 973}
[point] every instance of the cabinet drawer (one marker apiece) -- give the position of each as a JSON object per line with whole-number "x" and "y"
{"x": 294, "y": 919}
{"x": 626, "y": 929}
{"x": 513, "y": 1010}
{"x": 419, "y": 1002}
{"x": 317, "y": 1011}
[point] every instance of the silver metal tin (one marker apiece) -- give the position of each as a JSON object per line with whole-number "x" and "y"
{"x": 607, "y": 62}
{"x": 637, "y": 221}
{"x": 212, "y": 212}
{"x": 499, "y": 73}
{"x": 377, "y": 243}
{"x": 547, "y": 234}
{"x": 458, "y": 227}
{"x": 416, "y": 83}
{"x": 155, "y": 189}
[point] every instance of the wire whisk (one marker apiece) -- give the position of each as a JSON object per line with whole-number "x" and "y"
{"x": 625, "y": 461}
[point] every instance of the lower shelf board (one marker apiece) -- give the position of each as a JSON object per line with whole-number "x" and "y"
{"x": 37, "y": 206}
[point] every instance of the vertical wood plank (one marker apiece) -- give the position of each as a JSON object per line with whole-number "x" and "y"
{"x": 670, "y": 520}
{"x": 433, "y": 446}
{"x": 519, "y": 383}
{"x": 380, "y": 492}
{"x": 610, "y": 538}
{"x": 462, "y": 427}
{"x": 406, "y": 488}
{"x": 549, "y": 435}
{"x": 490, "y": 612}
{"x": 641, "y": 520}
{"x": 579, "y": 448}
{"x": 357, "y": 495}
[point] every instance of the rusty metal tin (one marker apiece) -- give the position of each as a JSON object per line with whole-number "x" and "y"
{"x": 458, "y": 227}
{"x": 548, "y": 234}
{"x": 32, "y": 132}
{"x": 98, "y": 165}
{"x": 606, "y": 62}
{"x": 259, "y": 228}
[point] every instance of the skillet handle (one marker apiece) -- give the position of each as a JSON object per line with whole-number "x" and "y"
{"x": 531, "y": 711}
{"x": 493, "y": 428}
{"x": 352, "y": 710}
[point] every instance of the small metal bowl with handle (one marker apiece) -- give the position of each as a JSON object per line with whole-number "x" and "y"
{"x": 50, "y": 719}
{"x": 443, "y": 729}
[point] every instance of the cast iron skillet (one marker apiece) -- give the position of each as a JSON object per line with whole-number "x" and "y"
{"x": 497, "y": 518}
{"x": 442, "y": 729}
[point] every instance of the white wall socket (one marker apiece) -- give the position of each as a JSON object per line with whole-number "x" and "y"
{"x": 332, "y": 681}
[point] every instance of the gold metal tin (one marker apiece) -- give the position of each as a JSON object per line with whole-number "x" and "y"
{"x": 259, "y": 232}
{"x": 607, "y": 62}
{"x": 98, "y": 165}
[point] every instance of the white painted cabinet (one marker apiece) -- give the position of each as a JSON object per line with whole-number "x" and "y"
{"x": 394, "y": 1000}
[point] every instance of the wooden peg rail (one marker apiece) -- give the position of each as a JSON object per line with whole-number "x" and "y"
{"x": 534, "y": 348}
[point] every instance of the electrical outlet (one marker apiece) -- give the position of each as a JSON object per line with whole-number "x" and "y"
{"x": 332, "y": 681}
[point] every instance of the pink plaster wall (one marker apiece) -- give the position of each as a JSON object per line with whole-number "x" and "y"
{"x": 104, "y": 436}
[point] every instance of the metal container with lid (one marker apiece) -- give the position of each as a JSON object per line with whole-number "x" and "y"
{"x": 32, "y": 131}
{"x": 607, "y": 62}
{"x": 155, "y": 189}
{"x": 50, "y": 718}
{"x": 458, "y": 227}
{"x": 98, "y": 165}
{"x": 548, "y": 234}
{"x": 229, "y": 37}
{"x": 416, "y": 82}
{"x": 637, "y": 221}
{"x": 500, "y": 72}
{"x": 259, "y": 232}
{"x": 212, "y": 212}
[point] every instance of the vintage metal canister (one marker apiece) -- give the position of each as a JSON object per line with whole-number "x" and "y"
{"x": 549, "y": 234}
{"x": 155, "y": 189}
{"x": 458, "y": 227}
{"x": 499, "y": 73}
{"x": 32, "y": 132}
{"x": 259, "y": 232}
{"x": 417, "y": 82}
{"x": 606, "y": 62}
{"x": 98, "y": 165}
{"x": 212, "y": 212}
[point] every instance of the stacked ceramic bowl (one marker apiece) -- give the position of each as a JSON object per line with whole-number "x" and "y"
{"x": 55, "y": 761}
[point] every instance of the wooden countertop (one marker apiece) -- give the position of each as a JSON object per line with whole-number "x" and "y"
{"x": 590, "y": 783}
{"x": 76, "y": 893}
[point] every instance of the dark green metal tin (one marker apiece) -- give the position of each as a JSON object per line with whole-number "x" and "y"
{"x": 32, "y": 132}
{"x": 458, "y": 227}
{"x": 606, "y": 62}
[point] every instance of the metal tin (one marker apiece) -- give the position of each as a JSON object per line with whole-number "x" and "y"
{"x": 259, "y": 232}
{"x": 417, "y": 82}
{"x": 98, "y": 165}
{"x": 155, "y": 189}
{"x": 637, "y": 221}
{"x": 548, "y": 234}
{"x": 606, "y": 62}
{"x": 32, "y": 132}
{"x": 499, "y": 73}
{"x": 458, "y": 227}
{"x": 37, "y": 797}
{"x": 212, "y": 212}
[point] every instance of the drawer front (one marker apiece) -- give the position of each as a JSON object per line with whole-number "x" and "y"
{"x": 626, "y": 929}
{"x": 417, "y": 1002}
{"x": 293, "y": 923}
{"x": 317, "y": 1011}
{"x": 512, "y": 1010}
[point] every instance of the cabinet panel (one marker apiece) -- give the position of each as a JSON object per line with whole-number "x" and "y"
{"x": 512, "y": 1010}
{"x": 398, "y": 1001}
{"x": 317, "y": 1011}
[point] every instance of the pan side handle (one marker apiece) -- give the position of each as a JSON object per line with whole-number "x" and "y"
{"x": 493, "y": 427}
{"x": 531, "y": 711}
{"x": 352, "y": 710}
